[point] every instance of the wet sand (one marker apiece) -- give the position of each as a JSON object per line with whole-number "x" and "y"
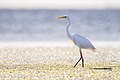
{"x": 38, "y": 62}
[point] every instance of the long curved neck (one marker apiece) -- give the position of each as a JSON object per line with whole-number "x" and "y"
{"x": 68, "y": 28}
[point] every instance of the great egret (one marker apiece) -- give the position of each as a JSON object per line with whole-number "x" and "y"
{"x": 78, "y": 40}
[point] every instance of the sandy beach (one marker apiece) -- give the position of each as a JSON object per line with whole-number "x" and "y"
{"x": 53, "y": 61}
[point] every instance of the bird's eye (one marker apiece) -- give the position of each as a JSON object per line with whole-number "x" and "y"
{"x": 65, "y": 16}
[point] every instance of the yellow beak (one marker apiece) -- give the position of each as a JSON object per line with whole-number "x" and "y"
{"x": 59, "y": 17}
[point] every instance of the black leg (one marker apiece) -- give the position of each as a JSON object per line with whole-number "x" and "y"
{"x": 82, "y": 62}
{"x": 81, "y": 57}
{"x": 77, "y": 62}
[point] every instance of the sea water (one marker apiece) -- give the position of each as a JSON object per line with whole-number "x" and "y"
{"x": 42, "y": 25}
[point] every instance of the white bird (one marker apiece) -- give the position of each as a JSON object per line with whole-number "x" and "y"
{"x": 78, "y": 40}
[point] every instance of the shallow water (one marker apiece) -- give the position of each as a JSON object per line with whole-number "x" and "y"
{"x": 37, "y": 62}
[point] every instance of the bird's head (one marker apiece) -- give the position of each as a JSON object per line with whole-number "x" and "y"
{"x": 62, "y": 17}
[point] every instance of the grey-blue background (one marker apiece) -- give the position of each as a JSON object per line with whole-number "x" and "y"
{"x": 42, "y": 25}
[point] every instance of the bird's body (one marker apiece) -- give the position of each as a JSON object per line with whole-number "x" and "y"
{"x": 82, "y": 42}
{"x": 78, "y": 40}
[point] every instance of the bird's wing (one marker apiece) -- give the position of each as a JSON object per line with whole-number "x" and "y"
{"x": 82, "y": 42}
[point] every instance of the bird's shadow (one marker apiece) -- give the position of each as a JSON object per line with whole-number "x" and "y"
{"x": 102, "y": 68}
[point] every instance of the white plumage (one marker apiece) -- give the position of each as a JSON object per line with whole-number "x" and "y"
{"x": 80, "y": 41}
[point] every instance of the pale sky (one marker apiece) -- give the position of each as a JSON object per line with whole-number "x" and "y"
{"x": 60, "y": 4}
